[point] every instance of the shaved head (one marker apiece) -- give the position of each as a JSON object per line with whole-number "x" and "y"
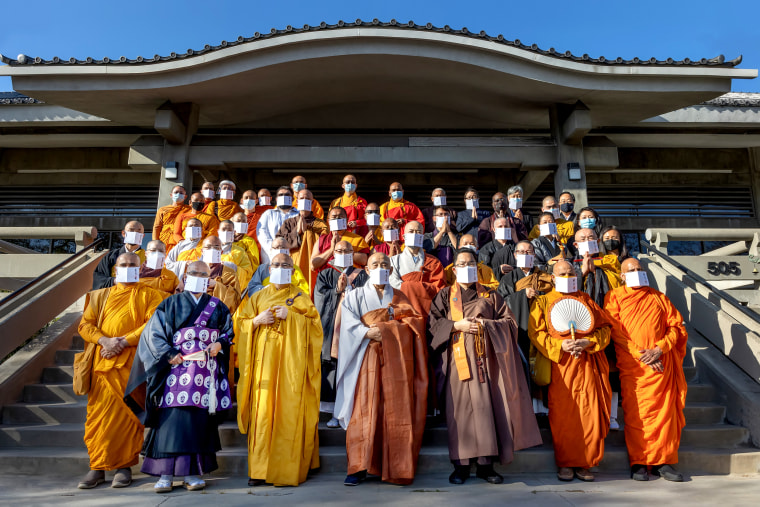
{"x": 585, "y": 235}
{"x": 128, "y": 260}
{"x": 468, "y": 239}
{"x": 414, "y": 226}
{"x": 279, "y": 243}
{"x": 212, "y": 241}
{"x": 239, "y": 218}
{"x": 194, "y": 222}
{"x": 134, "y": 226}
{"x": 156, "y": 246}
{"x": 379, "y": 257}
{"x": 283, "y": 259}
{"x": 563, "y": 268}
{"x": 630, "y": 264}
{"x": 344, "y": 247}
{"x": 198, "y": 268}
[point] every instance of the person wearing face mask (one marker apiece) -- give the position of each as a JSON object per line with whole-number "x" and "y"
{"x": 438, "y": 199}
{"x": 258, "y": 205}
{"x": 613, "y": 244}
{"x": 442, "y": 240}
{"x": 485, "y": 273}
{"x": 565, "y": 228}
{"x": 260, "y": 278}
{"x": 154, "y": 274}
{"x": 248, "y": 203}
{"x": 302, "y": 233}
{"x": 271, "y": 221}
{"x": 243, "y": 240}
{"x": 487, "y": 228}
{"x": 112, "y": 321}
{"x": 374, "y": 234}
{"x": 588, "y": 218}
{"x": 354, "y": 205}
{"x": 226, "y": 206}
{"x": 417, "y": 275}
{"x": 235, "y": 254}
{"x": 224, "y": 281}
{"x": 515, "y": 197}
{"x": 499, "y": 253}
{"x": 650, "y": 347}
{"x": 382, "y": 379}
{"x": 297, "y": 184}
{"x": 479, "y": 374}
{"x": 279, "y": 340}
{"x": 187, "y": 338}
{"x": 331, "y": 287}
{"x": 163, "y": 226}
{"x": 399, "y": 209}
{"x": 579, "y": 389}
{"x": 208, "y": 193}
{"x": 600, "y": 274}
{"x": 548, "y": 246}
{"x": 105, "y": 272}
{"x": 470, "y": 218}
{"x": 209, "y": 222}
{"x": 389, "y": 240}
{"x": 566, "y": 206}
{"x": 324, "y": 248}
{"x": 193, "y": 235}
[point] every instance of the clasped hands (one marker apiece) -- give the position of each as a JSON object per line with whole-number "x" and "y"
{"x": 651, "y": 357}
{"x": 112, "y": 347}
{"x": 267, "y": 316}
{"x": 468, "y": 325}
{"x": 575, "y": 347}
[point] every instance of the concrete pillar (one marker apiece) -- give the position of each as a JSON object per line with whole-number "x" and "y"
{"x": 754, "y": 170}
{"x": 569, "y": 124}
{"x": 177, "y": 124}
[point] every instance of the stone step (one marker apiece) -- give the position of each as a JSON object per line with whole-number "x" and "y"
{"x": 57, "y": 374}
{"x": 690, "y": 372}
{"x": 59, "y": 392}
{"x": 700, "y": 393}
{"x": 65, "y": 357}
{"x": 77, "y": 343}
{"x": 46, "y": 413}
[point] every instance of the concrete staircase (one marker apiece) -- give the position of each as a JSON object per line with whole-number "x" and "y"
{"x": 43, "y": 434}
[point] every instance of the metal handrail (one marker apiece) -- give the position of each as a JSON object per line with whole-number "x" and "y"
{"x": 720, "y": 293}
{"x": 25, "y": 288}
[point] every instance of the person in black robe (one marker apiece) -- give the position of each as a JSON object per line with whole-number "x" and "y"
{"x": 104, "y": 274}
{"x": 468, "y": 220}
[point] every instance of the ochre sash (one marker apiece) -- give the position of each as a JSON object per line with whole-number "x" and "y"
{"x": 457, "y": 314}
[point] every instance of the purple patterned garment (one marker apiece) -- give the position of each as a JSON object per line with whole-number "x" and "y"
{"x": 190, "y": 384}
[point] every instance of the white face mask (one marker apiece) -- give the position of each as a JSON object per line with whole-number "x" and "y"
{"x": 524, "y": 260}
{"x": 277, "y": 251}
{"x": 280, "y": 276}
{"x": 227, "y": 194}
{"x": 240, "y": 227}
{"x": 304, "y": 204}
{"x": 439, "y": 201}
{"x": 467, "y": 274}
{"x": 343, "y": 260}
{"x": 566, "y": 285}
{"x": 133, "y": 238}
{"x": 155, "y": 260}
{"x": 265, "y": 200}
{"x": 413, "y": 239}
{"x": 373, "y": 219}
{"x": 226, "y": 236}
{"x": 439, "y": 221}
{"x": 127, "y": 275}
{"x": 515, "y": 203}
{"x": 378, "y": 276}
{"x": 472, "y": 203}
{"x": 503, "y": 233}
{"x": 196, "y": 284}
{"x": 212, "y": 256}
{"x": 208, "y": 193}
{"x": 284, "y": 200}
{"x": 176, "y": 197}
{"x": 249, "y": 204}
{"x": 590, "y": 247}
{"x": 636, "y": 279}
{"x": 548, "y": 229}
{"x": 553, "y": 211}
{"x": 193, "y": 233}
{"x": 337, "y": 224}
{"x": 390, "y": 235}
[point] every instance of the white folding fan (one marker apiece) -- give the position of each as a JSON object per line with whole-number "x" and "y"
{"x": 569, "y": 315}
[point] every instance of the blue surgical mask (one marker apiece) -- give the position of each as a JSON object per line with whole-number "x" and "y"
{"x": 178, "y": 197}
{"x": 350, "y": 187}
{"x": 297, "y": 187}
{"x": 397, "y": 194}
{"x": 587, "y": 223}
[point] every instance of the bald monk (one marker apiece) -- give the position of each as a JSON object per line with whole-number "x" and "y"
{"x": 260, "y": 278}
{"x": 301, "y": 233}
{"x": 499, "y": 253}
{"x": 112, "y": 321}
{"x": 579, "y": 392}
{"x": 224, "y": 280}
{"x": 298, "y": 183}
{"x": 382, "y": 379}
{"x": 324, "y": 248}
{"x": 208, "y": 194}
{"x": 209, "y": 222}
{"x": 163, "y": 226}
{"x": 279, "y": 339}
{"x": 235, "y": 253}
{"x": 226, "y": 206}
{"x": 565, "y": 228}
{"x": 650, "y": 352}
{"x": 240, "y": 226}
{"x": 385, "y": 242}
{"x": 154, "y": 274}
{"x": 193, "y": 235}
{"x": 485, "y": 273}
{"x": 105, "y": 272}
{"x": 399, "y": 209}
{"x": 487, "y": 228}
{"x": 480, "y": 376}
{"x": 249, "y": 203}
{"x": 354, "y": 205}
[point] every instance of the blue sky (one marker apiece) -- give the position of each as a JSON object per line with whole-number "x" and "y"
{"x": 643, "y": 28}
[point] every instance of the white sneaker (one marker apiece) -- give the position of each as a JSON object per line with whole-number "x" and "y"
{"x": 164, "y": 484}
{"x": 614, "y": 424}
{"x": 193, "y": 483}
{"x": 333, "y": 423}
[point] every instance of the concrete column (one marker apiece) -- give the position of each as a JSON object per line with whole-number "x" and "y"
{"x": 177, "y": 124}
{"x": 569, "y": 124}
{"x": 754, "y": 171}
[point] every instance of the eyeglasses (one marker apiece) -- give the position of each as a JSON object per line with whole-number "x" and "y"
{"x": 523, "y": 252}
{"x": 344, "y": 252}
{"x": 470, "y": 264}
{"x": 283, "y": 265}
{"x": 210, "y": 247}
{"x": 198, "y": 274}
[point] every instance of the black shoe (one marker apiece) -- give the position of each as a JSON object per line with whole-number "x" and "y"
{"x": 639, "y": 473}
{"x": 487, "y": 473}
{"x": 355, "y": 479}
{"x": 256, "y": 482}
{"x": 668, "y": 473}
{"x": 460, "y": 474}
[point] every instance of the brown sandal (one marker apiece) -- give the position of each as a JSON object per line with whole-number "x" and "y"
{"x": 565, "y": 474}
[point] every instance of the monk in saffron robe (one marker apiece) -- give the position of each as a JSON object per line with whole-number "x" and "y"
{"x": 105, "y": 272}
{"x": 260, "y": 278}
{"x": 208, "y": 194}
{"x": 263, "y": 204}
{"x": 325, "y": 247}
{"x": 382, "y": 379}
{"x": 226, "y": 206}
{"x": 209, "y": 222}
{"x": 399, "y": 209}
{"x": 650, "y": 351}
{"x": 235, "y": 253}
{"x": 298, "y": 183}
{"x": 485, "y": 273}
{"x": 279, "y": 338}
{"x": 579, "y": 392}
{"x": 113, "y": 319}
{"x": 163, "y": 226}
{"x": 354, "y": 205}
{"x": 480, "y": 376}
{"x": 154, "y": 274}
{"x": 247, "y": 243}
{"x": 301, "y": 233}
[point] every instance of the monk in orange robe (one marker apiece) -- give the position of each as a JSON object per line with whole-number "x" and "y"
{"x": 297, "y": 184}
{"x": 225, "y": 207}
{"x": 399, "y": 209}
{"x": 253, "y": 210}
{"x": 354, "y": 205}
{"x": 579, "y": 392}
{"x": 650, "y": 351}
{"x": 112, "y": 321}
{"x": 163, "y": 226}
{"x": 210, "y": 222}
{"x": 208, "y": 193}
{"x": 154, "y": 274}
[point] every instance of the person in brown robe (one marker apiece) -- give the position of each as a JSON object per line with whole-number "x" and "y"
{"x": 480, "y": 376}
{"x": 382, "y": 379}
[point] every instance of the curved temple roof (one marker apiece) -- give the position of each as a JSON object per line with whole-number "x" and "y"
{"x": 718, "y": 61}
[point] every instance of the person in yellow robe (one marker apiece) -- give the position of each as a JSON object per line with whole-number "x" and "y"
{"x": 112, "y": 321}
{"x": 163, "y": 226}
{"x": 235, "y": 253}
{"x": 565, "y": 228}
{"x": 242, "y": 239}
{"x": 154, "y": 274}
{"x": 260, "y": 278}
{"x": 279, "y": 342}
{"x": 485, "y": 273}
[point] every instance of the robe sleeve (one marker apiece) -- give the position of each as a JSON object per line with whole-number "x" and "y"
{"x": 415, "y": 215}
{"x": 101, "y": 277}
{"x": 675, "y": 336}
{"x": 352, "y": 329}
{"x": 178, "y": 228}
{"x": 257, "y": 280}
{"x": 502, "y": 329}
{"x": 155, "y": 348}
{"x": 88, "y": 326}
{"x": 289, "y": 232}
{"x": 600, "y": 338}
{"x": 621, "y": 339}
{"x": 538, "y": 331}
{"x": 439, "y": 325}
{"x": 149, "y": 299}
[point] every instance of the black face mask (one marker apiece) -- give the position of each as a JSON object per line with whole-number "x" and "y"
{"x": 197, "y": 206}
{"x": 567, "y": 207}
{"x": 611, "y": 244}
